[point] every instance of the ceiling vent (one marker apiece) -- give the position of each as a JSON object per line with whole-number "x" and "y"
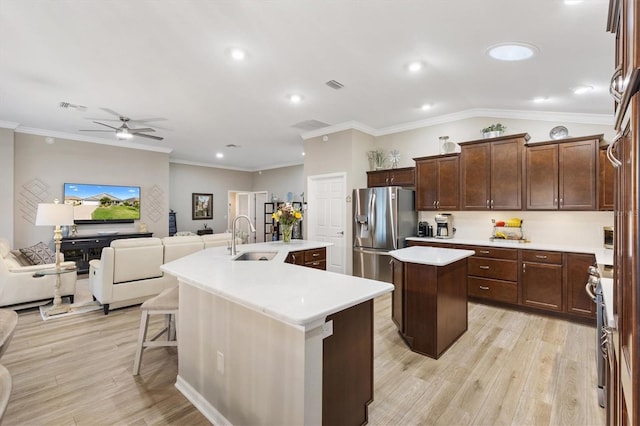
{"x": 309, "y": 125}
{"x": 232, "y": 145}
{"x": 334, "y": 84}
{"x": 67, "y": 105}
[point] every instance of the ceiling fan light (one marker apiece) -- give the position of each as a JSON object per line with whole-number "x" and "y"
{"x": 123, "y": 134}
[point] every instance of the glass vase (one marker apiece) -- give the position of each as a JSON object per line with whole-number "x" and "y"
{"x": 286, "y": 232}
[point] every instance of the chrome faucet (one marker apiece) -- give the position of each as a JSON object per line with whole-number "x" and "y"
{"x": 233, "y": 232}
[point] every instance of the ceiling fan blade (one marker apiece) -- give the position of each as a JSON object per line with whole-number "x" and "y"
{"x": 112, "y": 112}
{"x": 92, "y": 130}
{"x": 158, "y": 138}
{"x": 144, "y": 129}
{"x": 102, "y": 124}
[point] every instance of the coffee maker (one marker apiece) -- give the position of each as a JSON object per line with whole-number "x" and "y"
{"x": 444, "y": 225}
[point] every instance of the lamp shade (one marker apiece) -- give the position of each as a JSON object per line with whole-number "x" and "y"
{"x": 54, "y": 214}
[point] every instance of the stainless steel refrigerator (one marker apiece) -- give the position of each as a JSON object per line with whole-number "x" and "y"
{"x": 383, "y": 219}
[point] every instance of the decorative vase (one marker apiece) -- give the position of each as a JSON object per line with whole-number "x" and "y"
{"x": 286, "y": 232}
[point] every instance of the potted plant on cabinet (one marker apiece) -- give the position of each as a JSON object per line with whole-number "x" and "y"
{"x": 493, "y": 131}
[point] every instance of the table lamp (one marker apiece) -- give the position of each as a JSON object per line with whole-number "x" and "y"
{"x": 55, "y": 214}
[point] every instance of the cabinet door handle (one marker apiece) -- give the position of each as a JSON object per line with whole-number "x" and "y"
{"x": 555, "y": 201}
{"x": 616, "y": 91}
{"x": 483, "y": 267}
{"x": 293, "y": 258}
{"x": 561, "y": 202}
{"x": 315, "y": 263}
{"x": 316, "y": 254}
{"x": 484, "y": 251}
{"x": 524, "y": 268}
{"x": 612, "y": 159}
{"x": 482, "y": 287}
{"x": 487, "y": 203}
{"x": 491, "y": 203}
{"x": 540, "y": 256}
{"x": 434, "y": 204}
{"x": 391, "y": 180}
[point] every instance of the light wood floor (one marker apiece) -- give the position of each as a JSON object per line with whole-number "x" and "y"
{"x": 509, "y": 368}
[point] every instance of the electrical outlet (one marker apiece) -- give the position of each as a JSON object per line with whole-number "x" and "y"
{"x": 220, "y": 362}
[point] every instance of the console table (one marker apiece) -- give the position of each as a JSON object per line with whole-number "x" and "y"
{"x": 83, "y": 248}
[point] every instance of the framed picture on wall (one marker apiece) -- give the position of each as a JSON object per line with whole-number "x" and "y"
{"x": 201, "y": 206}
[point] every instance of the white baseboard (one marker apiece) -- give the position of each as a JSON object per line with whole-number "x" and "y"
{"x": 207, "y": 410}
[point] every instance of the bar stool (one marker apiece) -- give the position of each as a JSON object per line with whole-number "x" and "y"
{"x": 6, "y": 385}
{"x": 166, "y": 303}
{"x": 8, "y": 322}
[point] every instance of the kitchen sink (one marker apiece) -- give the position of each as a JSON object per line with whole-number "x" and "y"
{"x": 257, "y": 255}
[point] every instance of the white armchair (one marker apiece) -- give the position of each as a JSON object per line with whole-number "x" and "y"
{"x": 18, "y": 286}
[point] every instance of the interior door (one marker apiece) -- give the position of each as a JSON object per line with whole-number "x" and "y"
{"x": 243, "y": 207}
{"x": 326, "y": 217}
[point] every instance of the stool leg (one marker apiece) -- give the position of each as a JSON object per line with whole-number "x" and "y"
{"x": 144, "y": 323}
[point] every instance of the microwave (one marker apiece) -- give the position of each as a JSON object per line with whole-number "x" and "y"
{"x": 608, "y": 237}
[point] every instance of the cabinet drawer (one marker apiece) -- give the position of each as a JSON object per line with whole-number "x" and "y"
{"x": 492, "y": 252}
{"x": 493, "y": 268}
{"x": 542, "y": 256}
{"x": 295, "y": 257}
{"x": 315, "y": 255}
{"x": 502, "y": 291}
{"x": 317, "y": 264}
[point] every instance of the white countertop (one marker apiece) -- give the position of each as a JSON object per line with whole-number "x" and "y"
{"x": 430, "y": 255}
{"x": 293, "y": 294}
{"x": 602, "y": 254}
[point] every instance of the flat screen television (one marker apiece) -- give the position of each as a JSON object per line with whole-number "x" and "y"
{"x": 103, "y": 203}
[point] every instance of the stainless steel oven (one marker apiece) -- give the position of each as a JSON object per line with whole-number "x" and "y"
{"x": 594, "y": 290}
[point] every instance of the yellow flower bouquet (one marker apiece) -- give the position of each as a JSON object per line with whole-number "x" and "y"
{"x": 287, "y": 216}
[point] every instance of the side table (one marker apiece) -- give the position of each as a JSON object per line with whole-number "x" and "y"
{"x": 56, "y": 307}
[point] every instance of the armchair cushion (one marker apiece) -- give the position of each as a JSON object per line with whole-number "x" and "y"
{"x": 39, "y": 254}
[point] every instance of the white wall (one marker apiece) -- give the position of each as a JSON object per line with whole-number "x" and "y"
{"x": 41, "y": 170}
{"x": 6, "y": 189}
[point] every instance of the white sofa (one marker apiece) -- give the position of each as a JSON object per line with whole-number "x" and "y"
{"x": 19, "y": 287}
{"x": 128, "y": 272}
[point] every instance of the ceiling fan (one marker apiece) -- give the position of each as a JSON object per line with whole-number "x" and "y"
{"x": 124, "y": 132}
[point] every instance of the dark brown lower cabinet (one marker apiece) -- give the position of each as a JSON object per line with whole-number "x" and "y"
{"x": 347, "y": 367}
{"x": 435, "y": 306}
{"x": 542, "y": 285}
{"x": 314, "y": 258}
{"x": 576, "y": 269}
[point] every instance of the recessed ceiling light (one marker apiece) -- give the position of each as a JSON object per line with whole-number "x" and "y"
{"x": 540, "y": 99}
{"x": 219, "y": 155}
{"x": 512, "y": 51}
{"x": 303, "y": 154}
{"x": 295, "y": 98}
{"x": 415, "y": 66}
{"x": 237, "y": 54}
{"x": 581, "y": 90}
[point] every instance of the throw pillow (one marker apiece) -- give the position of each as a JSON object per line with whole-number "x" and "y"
{"x": 39, "y": 254}
{"x": 21, "y": 258}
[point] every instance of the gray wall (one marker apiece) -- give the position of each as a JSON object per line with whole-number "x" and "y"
{"x": 280, "y": 181}
{"x": 41, "y": 170}
{"x": 188, "y": 179}
{"x": 6, "y": 189}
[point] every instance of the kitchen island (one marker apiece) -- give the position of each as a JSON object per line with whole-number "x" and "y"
{"x": 267, "y": 342}
{"x": 429, "y": 303}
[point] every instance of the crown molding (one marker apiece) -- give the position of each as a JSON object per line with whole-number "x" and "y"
{"x": 238, "y": 169}
{"x": 8, "y": 125}
{"x": 563, "y": 117}
{"x": 101, "y": 141}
